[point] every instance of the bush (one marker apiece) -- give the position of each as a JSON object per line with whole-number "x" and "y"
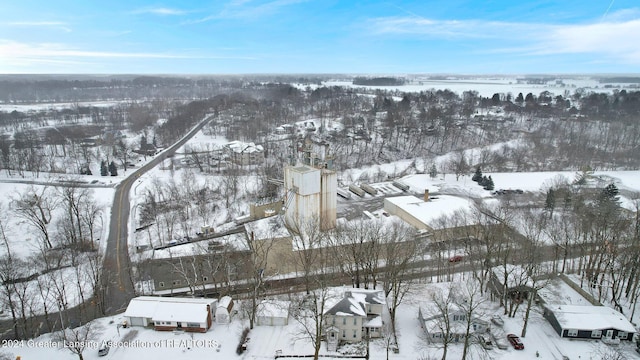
{"x": 242, "y": 345}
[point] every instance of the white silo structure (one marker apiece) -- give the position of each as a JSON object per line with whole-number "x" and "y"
{"x": 328, "y": 198}
{"x": 311, "y": 196}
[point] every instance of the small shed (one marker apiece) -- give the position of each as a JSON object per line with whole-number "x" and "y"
{"x": 273, "y": 313}
{"x": 224, "y": 311}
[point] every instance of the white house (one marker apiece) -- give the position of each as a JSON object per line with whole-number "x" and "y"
{"x": 433, "y": 322}
{"x": 170, "y": 313}
{"x": 224, "y": 311}
{"x": 448, "y": 317}
{"x": 357, "y": 315}
{"x": 273, "y": 313}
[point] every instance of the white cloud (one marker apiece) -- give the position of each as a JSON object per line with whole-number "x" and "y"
{"x": 160, "y": 11}
{"x": 615, "y": 37}
{"x": 51, "y": 24}
{"x": 15, "y": 51}
{"x": 243, "y": 9}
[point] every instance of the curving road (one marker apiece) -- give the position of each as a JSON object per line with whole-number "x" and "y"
{"x": 117, "y": 275}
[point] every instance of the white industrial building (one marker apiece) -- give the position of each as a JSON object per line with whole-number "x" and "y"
{"x": 311, "y": 193}
{"x": 424, "y": 213}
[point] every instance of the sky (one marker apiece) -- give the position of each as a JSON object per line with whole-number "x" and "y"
{"x": 319, "y": 36}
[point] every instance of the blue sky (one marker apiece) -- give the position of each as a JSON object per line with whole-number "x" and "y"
{"x": 320, "y": 36}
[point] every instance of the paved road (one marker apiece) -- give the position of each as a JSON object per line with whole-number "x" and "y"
{"x": 117, "y": 276}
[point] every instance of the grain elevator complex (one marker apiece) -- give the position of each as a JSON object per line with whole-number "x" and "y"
{"x": 310, "y": 191}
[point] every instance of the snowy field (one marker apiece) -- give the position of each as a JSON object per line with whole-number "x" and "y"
{"x": 487, "y": 87}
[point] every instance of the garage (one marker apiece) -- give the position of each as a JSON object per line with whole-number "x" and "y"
{"x": 273, "y": 313}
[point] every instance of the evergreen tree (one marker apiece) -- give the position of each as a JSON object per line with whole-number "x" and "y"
{"x": 489, "y": 184}
{"x": 104, "y": 170}
{"x": 611, "y": 192}
{"x": 477, "y": 176}
{"x": 550, "y": 202}
{"x": 433, "y": 171}
{"x": 113, "y": 169}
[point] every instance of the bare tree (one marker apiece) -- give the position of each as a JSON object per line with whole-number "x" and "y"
{"x": 35, "y": 206}
{"x": 257, "y": 267}
{"x": 311, "y": 309}
{"x": 470, "y": 302}
{"x": 307, "y": 243}
{"x": 441, "y": 315}
{"x": 400, "y": 249}
{"x": 77, "y": 340}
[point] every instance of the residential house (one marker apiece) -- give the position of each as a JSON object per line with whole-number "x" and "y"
{"x": 171, "y": 313}
{"x": 510, "y": 278}
{"x": 589, "y": 322}
{"x": 356, "y": 316}
{"x": 433, "y": 322}
{"x": 242, "y": 153}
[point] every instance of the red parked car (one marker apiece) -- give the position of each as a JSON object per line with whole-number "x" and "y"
{"x": 455, "y": 258}
{"x": 515, "y": 342}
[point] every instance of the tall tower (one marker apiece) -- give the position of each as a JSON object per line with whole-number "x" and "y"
{"x": 311, "y": 193}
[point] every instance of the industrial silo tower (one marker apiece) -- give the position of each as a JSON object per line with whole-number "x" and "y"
{"x": 311, "y": 190}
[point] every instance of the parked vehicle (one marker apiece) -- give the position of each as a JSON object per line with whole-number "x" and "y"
{"x": 486, "y": 341}
{"x": 455, "y": 258}
{"x": 103, "y": 350}
{"x": 500, "y": 342}
{"x": 515, "y": 342}
{"x": 497, "y": 319}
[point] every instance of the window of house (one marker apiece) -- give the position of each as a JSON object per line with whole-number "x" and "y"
{"x": 193, "y": 325}
{"x": 354, "y": 333}
{"x": 176, "y": 282}
{"x": 622, "y": 335}
{"x": 355, "y": 321}
{"x": 344, "y": 333}
{"x": 333, "y": 320}
{"x": 344, "y": 321}
{"x": 596, "y": 334}
{"x": 161, "y": 284}
{"x": 205, "y": 278}
{"x": 572, "y": 332}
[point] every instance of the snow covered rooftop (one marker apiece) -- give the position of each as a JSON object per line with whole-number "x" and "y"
{"x": 590, "y": 318}
{"x": 274, "y": 308}
{"x": 429, "y": 212}
{"x": 354, "y": 302}
{"x": 348, "y": 306}
{"x": 240, "y": 147}
{"x": 183, "y": 312}
{"x": 366, "y": 296}
{"x": 516, "y": 275}
{"x": 237, "y": 241}
{"x": 153, "y": 306}
{"x": 267, "y": 228}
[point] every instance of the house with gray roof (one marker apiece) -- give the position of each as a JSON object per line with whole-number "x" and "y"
{"x": 356, "y": 316}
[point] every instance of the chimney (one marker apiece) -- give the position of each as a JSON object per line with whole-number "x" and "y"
{"x": 426, "y": 195}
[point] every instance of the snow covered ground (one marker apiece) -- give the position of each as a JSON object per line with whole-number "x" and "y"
{"x": 137, "y": 343}
{"x": 487, "y": 87}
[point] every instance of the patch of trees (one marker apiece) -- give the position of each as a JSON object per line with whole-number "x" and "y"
{"x": 378, "y": 81}
{"x": 38, "y": 290}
